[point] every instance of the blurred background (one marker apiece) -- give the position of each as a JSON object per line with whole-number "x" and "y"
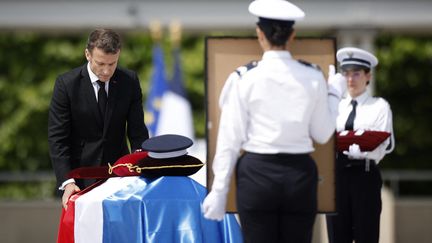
{"x": 164, "y": 41}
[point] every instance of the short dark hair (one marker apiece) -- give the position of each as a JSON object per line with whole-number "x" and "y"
{"x": 106, "y": 39}
{"x": 355, "y": 68}
{"x": 277, "y": 32}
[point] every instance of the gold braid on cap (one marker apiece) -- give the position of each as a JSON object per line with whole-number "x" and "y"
{"x": 138, "y": 169}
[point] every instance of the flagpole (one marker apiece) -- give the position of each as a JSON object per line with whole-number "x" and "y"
{"x": 155, "y": 27}
{"x": 176, "y": 33}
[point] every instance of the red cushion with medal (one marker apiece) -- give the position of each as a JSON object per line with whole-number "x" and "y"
{"x": 367, "y": 140}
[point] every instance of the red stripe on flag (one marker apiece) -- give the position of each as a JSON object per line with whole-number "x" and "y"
{"x": 67, "y": 218}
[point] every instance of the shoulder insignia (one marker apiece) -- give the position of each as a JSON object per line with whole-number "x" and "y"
{"x": 315, "y": 66}
{"x": 243, "y": 69}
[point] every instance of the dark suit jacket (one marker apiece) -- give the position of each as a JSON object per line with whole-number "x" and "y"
{"x": 77, "y": 134}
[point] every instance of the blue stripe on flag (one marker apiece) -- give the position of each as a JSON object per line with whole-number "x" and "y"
{"x": 166, "y": 209}
{"x": 158, "y": 87}
{"x": 176, "y": 85}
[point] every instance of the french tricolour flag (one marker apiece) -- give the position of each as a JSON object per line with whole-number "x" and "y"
{"x": 136, "y": 209}
{"x": 175, "y": 116}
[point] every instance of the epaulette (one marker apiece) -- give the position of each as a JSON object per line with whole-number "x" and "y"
{"x": 315, "y": 66}
{"x": 243, "y": 69}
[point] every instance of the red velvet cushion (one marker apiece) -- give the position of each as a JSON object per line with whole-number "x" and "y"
{"x": 368, "y": 140}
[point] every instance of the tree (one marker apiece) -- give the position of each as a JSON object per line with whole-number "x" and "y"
{"x": 404, "y": 78}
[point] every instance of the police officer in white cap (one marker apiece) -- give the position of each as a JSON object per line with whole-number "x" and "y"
{"x": 358, "y": 190}
{"x": 273, "y": 110}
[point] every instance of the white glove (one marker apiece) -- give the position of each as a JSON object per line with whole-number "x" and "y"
{"x": 214, "y": 205}
{"x": 337, "y": 82}
{"x": 354, "y": 152}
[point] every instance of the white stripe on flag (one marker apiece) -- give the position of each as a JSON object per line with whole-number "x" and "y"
{"x": 89, "y": 213}
{"x": 175, "y": 116}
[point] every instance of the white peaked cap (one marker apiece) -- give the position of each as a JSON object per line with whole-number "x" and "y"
{"x": 276, "y": 9}
{"x": 357, "y": 57}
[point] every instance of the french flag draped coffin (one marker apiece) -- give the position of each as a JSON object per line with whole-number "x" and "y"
{"x": 137, "y": 209}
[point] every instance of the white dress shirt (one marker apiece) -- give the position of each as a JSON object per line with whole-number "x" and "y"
{"x": 94, "y": 79}
{"x": 279, "y": 106}
{"x": 372, "y": 113}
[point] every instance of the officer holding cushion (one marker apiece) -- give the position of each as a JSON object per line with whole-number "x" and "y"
{"x": 358, "y": 190}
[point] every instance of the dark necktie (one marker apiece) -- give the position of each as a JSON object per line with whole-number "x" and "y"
{"x": 102, "y": 98}
{"x": 349, "y": 125}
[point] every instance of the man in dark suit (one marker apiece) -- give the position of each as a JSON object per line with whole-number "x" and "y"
{"x": 92, "y": 109}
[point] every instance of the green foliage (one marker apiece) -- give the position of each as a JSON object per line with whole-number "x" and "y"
{"x": 28, "y": 67}
{"x": 404, "y": 79}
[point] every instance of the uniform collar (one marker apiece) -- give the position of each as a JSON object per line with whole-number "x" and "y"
{"x": 360, "y": 99}
{"x": 276, "y": 54}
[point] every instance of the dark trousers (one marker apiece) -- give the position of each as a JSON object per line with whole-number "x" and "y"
{"x": 358, "y": 202}
{"x": 277, "y": 197}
